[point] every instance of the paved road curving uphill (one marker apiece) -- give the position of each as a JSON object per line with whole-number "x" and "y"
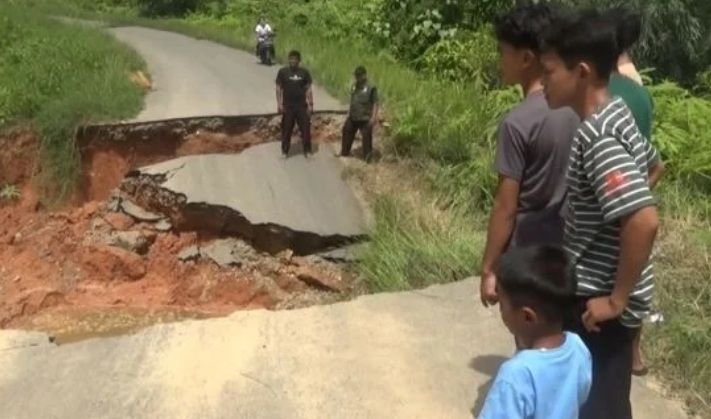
{"x": 201, "y": 78}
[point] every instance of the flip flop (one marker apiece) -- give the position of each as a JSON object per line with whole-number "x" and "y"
{"x": 640, "y": 372}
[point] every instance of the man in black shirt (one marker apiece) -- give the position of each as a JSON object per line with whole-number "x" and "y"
{"x": 295, "y": 102}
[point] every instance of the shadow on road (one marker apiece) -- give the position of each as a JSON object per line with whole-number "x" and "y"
{"x": 489, "y": 365}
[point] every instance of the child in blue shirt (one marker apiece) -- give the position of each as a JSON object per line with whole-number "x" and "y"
{"x": 550, "y": 377}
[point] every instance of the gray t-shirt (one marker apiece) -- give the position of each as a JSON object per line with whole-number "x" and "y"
{"x": 533, "y": 148}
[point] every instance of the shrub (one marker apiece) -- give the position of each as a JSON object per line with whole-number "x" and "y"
{"x": 155, "y": 8}
{"x": 470, "y": 56}
{"x": 682, "y": 132}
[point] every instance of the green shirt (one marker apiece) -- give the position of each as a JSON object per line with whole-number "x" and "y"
{"x": 637, "y": 98}
{"x": 363, "y": 100}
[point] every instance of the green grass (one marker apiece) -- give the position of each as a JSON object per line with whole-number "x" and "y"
{"x": 411, "y": 247}
{"x": 55, "y": 76}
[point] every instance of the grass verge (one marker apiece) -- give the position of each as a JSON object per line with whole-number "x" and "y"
{"x": 55, "y": 76}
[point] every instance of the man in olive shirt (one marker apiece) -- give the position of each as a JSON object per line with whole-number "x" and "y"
{"x": 362, "y": 115}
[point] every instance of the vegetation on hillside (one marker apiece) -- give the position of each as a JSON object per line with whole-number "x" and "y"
{"x": 54, "y": 76}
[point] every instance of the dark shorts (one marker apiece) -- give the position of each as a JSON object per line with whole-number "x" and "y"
{"x": 611, "y": 350}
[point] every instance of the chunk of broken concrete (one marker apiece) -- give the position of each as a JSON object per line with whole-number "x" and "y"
{"x": 133, "y": 241}
{"x": 163, "y": 225}
{"x": 189, "y": 253}
{"x": 139, "y": 213}
{"x": 347, "y": 254}
{"x": 228, "y": 252}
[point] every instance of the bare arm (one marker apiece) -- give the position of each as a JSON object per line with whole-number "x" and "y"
{"x": 501, "y": 225}
{"x": 310, "y": 98}
{"x": 636, "y": 241}
{"x": 655, "y": 173}
{"x": 501, "y": 221}
{"x": 374, "y": 114}
{"x": 279, "y": 97}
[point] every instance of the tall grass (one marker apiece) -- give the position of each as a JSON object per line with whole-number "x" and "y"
{"x": 55, "y": 76}
{"x": 680, "y": 347}
{"x": 411, "y": 247}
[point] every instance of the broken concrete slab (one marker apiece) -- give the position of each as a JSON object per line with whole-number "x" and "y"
{"x": 138, "y": 213}
{"x": 220, "y": 252}
{"x": 163, "y": 225}
{"x": 134, "y": 241}
{"x": 346, "y": 254}
{"x": 299, "y": 203}
{"x": 189, "y": 253}
{"x": 20, "y": 339}
{"x": 228, "y": 252}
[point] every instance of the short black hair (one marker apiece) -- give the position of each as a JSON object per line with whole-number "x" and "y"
{"x": 540, "y": 277}
{"x": 522, "y": 26}
{"x": 586, "y": 35}
{"x": 360, "y": 71}
{"x": 628, "y": 26}
{"x": 295, "y": 54}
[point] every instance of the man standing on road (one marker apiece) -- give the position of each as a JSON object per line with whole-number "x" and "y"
{"x": 295, "y": 103}
{"x": 611, "y": 218}
{"x": 262, "y": 30}
{"x": 532, "y": 149}
{"x": 362, "y": 115}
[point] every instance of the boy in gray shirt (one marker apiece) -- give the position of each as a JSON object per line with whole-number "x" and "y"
{"x": 532, "y": 149}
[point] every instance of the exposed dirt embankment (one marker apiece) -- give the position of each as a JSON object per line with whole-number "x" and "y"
{"x": 97, "y": 256}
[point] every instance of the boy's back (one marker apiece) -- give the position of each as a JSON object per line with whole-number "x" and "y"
{"x": 533, "y": 148}
{"x": 542, "y": 384}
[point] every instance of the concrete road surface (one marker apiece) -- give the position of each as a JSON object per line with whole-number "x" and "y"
{"x": 425, "y": 354}
{"x": 201, "y": 78}
{"x": 301, "y": 194}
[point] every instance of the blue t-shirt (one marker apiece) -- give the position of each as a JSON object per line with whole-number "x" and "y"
{"x": 542, "y": 384}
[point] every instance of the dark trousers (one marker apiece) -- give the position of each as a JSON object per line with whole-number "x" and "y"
{"x": 294, "y": 115}
{"x": 350, "y": 128}
{"x": 611, "y": 350}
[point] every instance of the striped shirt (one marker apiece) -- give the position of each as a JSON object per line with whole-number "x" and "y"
{"x": 607, "y": 180}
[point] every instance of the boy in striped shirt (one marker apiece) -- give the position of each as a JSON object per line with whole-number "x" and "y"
{"x": 611, "y": 217}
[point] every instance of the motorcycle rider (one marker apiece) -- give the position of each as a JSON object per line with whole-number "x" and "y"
{"x": 263, "y": 30}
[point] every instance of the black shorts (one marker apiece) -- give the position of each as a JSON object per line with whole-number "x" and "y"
{"x": 611, "y": 351}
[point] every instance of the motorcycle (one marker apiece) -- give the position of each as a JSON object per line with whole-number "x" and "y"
{"x": 266, "y": 49}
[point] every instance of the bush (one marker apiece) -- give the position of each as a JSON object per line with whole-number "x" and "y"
{"x": 156, "y": 8}
{"x": 470, "y": 56}
{"x": 682, "y": 133}
{"x": 416, "y": 25}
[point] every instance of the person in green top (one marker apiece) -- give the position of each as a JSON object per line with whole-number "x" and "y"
{"x": 362, "y": 115}
{"x": 636, "y": 96}
{"x": 628, "y": 24}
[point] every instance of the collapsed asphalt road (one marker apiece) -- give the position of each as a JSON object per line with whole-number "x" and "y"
{"x": 299, "y": 204}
